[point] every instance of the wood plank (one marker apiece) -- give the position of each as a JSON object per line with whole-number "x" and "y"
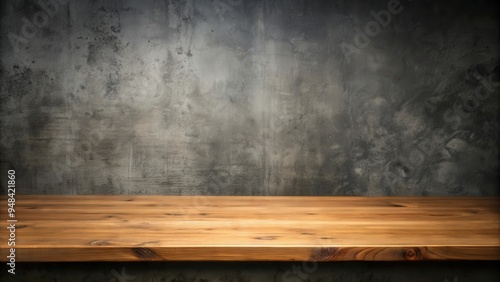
{"x": 222, "y": 228}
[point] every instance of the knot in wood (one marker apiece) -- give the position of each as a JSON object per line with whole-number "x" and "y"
{"x": 411, "y": 254}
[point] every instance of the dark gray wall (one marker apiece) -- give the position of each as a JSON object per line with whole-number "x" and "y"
{"x": 251, "y": 97}
{"x": 230, "y": 97}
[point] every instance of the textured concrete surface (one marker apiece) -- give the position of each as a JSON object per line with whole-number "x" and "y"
{"x": 251, "y": 97}
{"x": 230, "y": 97}
{"x": 261, "y": 272}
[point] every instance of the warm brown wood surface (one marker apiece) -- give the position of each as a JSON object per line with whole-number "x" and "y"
{"x": 221, "y": 228}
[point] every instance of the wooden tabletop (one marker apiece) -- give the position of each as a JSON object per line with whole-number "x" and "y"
{"x": 244, "y": 228}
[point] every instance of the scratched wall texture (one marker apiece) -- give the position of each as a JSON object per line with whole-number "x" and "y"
{"x": 229, "y": 97}
{"x": 250, "y": 97}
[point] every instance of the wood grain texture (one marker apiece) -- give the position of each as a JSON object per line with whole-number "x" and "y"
{"x": 225, "y": 228}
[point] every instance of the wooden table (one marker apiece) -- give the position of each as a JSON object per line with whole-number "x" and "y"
{"x": 243, "y": 228}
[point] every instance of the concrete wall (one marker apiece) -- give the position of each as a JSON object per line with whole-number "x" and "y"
{"x": 233, "y": 97}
